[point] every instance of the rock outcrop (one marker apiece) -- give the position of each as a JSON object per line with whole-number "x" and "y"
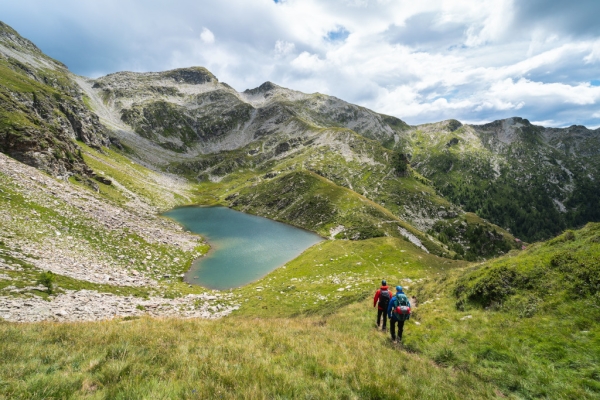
{"x": 43, "y": 110}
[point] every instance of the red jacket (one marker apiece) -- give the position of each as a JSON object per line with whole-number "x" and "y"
{"x": 378, "y": 293}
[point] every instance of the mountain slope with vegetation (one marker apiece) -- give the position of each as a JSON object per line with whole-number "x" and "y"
{"x": 184, "y": 121}
{"x": 532, "y": 180}
{"x": 528, "y": 322}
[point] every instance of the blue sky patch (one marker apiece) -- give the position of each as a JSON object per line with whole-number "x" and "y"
{"x": 595, "y": 82}
{"x": 338, "y": 35}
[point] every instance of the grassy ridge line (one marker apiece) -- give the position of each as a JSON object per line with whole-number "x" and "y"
{"x": 336, "y": 357}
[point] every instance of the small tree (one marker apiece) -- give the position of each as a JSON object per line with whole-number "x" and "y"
{"x": 400, "y": 163}
{"x": 47, "y": 279}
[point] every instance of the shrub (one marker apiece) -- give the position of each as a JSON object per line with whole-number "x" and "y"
{"x": 47, "y": 279}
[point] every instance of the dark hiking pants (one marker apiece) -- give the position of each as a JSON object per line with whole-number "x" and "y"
{"x": 379, "y": 314}
{"x": 393, "y": 322}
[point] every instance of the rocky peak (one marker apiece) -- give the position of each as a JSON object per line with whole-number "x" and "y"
{"x": 140, "y": 80}
{"x": 504, "y": 132}
{"x": 452, "y": 124}
{"x": 10, "y": 37}
{"x": 262, "y": 89}
{"x": 576, "y": 139}
{"x": 191, "y": 75}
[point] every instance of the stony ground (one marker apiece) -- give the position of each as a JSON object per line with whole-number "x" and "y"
{"x": 90, "y": 305}
{"x": 53, "y": 225}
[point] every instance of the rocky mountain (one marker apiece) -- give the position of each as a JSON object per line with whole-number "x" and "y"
{"x": 402, "y": 199}
{"x": 43, "y": 110}
{"x": 189, "y": 111}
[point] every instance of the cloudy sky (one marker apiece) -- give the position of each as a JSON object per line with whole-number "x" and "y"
{"x": 422, "y": 61}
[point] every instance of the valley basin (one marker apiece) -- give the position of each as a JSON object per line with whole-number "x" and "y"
{"x": 244, "y": 247}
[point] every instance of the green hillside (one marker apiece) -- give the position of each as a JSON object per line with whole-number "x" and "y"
{"x": 532, "y": 180}
{"x": 42, "y": 110}
{"x": 529, "y": 321}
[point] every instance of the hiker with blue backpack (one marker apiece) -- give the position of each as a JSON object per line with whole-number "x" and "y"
{"x": 398, "y": 311}
{"x": 382, "y": 296}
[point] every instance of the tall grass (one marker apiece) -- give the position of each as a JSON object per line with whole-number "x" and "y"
{"x": 340, "y": 356}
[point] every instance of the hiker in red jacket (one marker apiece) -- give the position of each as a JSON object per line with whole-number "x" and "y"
{"x": 382, "y": 295}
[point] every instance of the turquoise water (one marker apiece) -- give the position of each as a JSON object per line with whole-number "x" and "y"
{"x": 243, "y": 247}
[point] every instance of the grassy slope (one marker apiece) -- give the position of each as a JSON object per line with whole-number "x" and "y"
{"x": 336, "y": 357}
{"x": 534, "y": 326}
{"x": 310, "y": 283}
{"x": 285, "y": 345}
{"x": 313, "y": 202}
{"x": 135, "y": 181}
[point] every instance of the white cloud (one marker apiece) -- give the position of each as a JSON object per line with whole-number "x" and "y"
{"x": 282, "y": 47}
{"x": 594, "y": 55}
{"x": 308, "y": 62}
{"x": 582, "y": 94}
{"x": 207, "y": 36}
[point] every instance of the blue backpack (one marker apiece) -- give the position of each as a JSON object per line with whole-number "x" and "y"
{"x": 401, "y": 310}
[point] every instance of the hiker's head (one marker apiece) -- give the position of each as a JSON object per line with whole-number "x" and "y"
{"x": 399, "y": 289}
{"x": 383, "y": 283}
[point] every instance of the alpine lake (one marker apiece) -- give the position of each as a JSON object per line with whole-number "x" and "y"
{"x": 244, "y": 247}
